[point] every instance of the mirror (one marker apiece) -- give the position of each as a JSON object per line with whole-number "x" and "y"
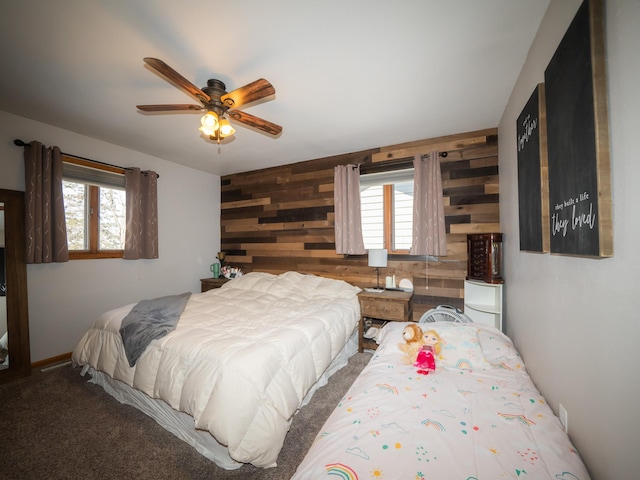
{"x": 4, "y": 336}
{"x": 14, "y": 318}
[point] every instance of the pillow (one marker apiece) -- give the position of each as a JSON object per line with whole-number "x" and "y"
{"x": 289, "y": 284}
{"x": 314, "y": 286}
{"x": 498, "y": 349}
{"x": 391, "y": 332}
{"x": 258, "y": 281}
{"x": 460, "y": 346}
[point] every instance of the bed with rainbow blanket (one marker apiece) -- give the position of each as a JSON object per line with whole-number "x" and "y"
{"x": 477, "y": 416}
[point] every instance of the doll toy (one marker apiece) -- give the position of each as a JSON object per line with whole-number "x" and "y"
{"x": 426, "y": 358}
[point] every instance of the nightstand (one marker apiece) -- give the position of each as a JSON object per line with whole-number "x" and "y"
{"x": 381, "y": 307}
{"x": 211, "y": 283}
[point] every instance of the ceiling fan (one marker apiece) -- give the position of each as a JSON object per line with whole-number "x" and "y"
{"x": 216, "y": 102}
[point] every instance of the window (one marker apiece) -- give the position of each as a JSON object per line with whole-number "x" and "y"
{"x": 95, "y": 209}
{"x": 387, "y": 210}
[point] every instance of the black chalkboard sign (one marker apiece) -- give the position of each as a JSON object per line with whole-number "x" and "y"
{"x": 532, "y": 159}
{"x": 576, "y": 161}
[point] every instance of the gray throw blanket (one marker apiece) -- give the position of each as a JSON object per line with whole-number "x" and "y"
{"x": 149, "y": 320}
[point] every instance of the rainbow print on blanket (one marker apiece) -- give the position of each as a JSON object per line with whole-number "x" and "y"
{"x": 341, "y": 471}
{"x": 387, "y": 388}
{"x": 519, "y": 418}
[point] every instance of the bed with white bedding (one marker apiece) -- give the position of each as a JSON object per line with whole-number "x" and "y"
{"x": 478, "y": 416}
{"x": 240, "y": 362}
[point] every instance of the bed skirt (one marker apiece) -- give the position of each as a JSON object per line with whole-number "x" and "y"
{"x": 182, "y": 425}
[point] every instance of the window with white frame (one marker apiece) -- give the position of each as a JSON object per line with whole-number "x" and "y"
{"x": 387, "y": 210}
{"x": 95, "y": 209}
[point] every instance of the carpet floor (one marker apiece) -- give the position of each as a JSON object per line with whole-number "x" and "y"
{"x": 56, "y": 425}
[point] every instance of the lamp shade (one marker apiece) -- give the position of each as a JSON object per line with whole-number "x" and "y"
{"x": 209, "y": 123}
{"x": 225, "y": 128}
{"x": 378, "y": 257}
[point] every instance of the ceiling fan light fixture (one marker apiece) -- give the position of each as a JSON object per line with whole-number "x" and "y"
{"x": 216, "y": 101}
{"x": 209, "y": 123}
{"x": 225, "y": 128}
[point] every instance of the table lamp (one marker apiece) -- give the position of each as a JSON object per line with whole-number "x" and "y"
{"x": 377, "y": 259}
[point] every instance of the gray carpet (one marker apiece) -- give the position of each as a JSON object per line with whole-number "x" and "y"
{"x": 55, "y": 425}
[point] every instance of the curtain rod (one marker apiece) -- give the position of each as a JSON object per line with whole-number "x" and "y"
{"x": 21, "y": 143}
{"x": 396, "y": 164}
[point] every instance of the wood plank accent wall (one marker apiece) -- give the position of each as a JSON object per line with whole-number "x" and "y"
{"x": 282, "y": 218}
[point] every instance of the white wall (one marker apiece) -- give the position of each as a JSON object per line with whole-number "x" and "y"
{"x": 576, "y": 321}
{"x": 65, "y": 298}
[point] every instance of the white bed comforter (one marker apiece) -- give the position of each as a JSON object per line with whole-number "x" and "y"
{"x": 241, "y": 358}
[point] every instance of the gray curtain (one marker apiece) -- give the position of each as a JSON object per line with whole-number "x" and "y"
{"x": 429, "y": 232}
{"x": 45, "y": 225}
{"x": 346, "y": 198}
{"x": 141, "y": 237}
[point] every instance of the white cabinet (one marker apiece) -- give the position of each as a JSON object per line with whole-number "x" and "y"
{"x": 483, "y": 302}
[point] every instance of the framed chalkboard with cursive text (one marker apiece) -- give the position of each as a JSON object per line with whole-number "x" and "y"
{"x": 580, "y": 209}
{"x": 533, "y": 191}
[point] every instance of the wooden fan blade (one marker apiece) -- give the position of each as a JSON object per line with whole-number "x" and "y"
{"x": 249, "y": 93}
{"x": 170, "y": 108}
{"x": 164, "y": 69}
{"x": 254, "y": 121}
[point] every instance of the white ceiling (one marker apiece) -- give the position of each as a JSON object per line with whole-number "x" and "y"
{"x": 349, "y": 74}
